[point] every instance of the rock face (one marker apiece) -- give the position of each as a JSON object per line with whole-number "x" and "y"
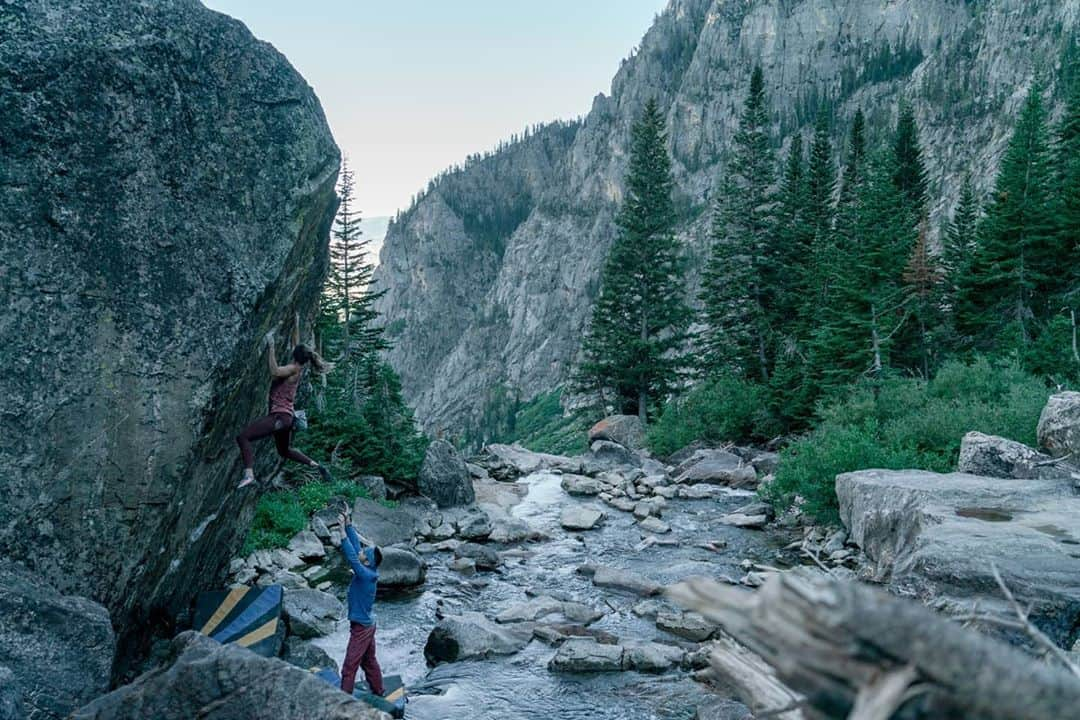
{"x": 56, "y": 651}
{"x": 444, "y": 477}
{"x": 311, "y": 613}
{"x": 936, "y": 536}
{"x": 225, "y": 682}
{"x": 166, "y": 191}
{"x": 994, "y": 456}
{"x": 492, "y": 273}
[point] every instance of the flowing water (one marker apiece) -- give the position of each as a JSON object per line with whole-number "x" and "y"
{"x": 521, "y": 686}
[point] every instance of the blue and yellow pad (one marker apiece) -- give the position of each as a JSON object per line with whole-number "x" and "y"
{"x": 247, "y": 616}
{"x": 392, "y": 703}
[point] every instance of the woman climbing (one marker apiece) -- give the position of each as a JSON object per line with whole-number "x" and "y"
{"x": 279, "y": 422}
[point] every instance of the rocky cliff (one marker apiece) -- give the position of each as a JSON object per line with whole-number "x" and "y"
{"x": 475, "y": 325}
{"x": 166, "y": 189}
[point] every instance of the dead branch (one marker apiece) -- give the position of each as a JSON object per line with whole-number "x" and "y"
{"x": 846, "y": 647}
{"x": 1033, "y": 632}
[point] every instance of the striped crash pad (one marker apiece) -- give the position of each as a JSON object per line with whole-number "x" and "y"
{"x": 392, "y": 703}
{"x": 247, "y": 616}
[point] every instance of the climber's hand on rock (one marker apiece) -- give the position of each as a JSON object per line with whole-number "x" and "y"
{"x": 268, "y": 338}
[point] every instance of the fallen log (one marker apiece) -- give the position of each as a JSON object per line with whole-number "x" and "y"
{"x": 853, "y": 651}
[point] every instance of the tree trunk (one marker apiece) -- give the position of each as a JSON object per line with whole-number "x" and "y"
{"x": 847, "y": 645}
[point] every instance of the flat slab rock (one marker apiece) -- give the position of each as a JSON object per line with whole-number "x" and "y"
{"x": 625, "y": 580}
{"x": 587, "y": 655}
{"x": 580, "y": 518}
{"x": 936, "y": 536}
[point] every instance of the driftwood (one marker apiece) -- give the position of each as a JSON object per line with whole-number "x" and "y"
{"x": 853, "y": 651}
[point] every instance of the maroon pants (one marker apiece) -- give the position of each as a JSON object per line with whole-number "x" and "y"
{"x": 361, "y": 654}
{"x": 280, "y": 426}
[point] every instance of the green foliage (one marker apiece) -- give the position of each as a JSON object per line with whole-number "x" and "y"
{"x": 542, "y": 425}
{"x": 639, "y": 321}
{"x": 720, "y": 410}
{"x": 281, "y": 514}
{"x": 907, "y": 423}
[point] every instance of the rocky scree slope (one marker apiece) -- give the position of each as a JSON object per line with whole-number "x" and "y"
{"x": 166, "y": 190}
{"x": 480, "y": 316}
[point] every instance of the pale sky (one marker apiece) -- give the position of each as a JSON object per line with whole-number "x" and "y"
{"x": 411, "y": 87}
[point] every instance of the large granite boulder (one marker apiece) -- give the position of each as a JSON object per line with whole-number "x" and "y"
{"x": 56, "y": 651}
{"x": 166, "y": 193}
{"x": 1059, "y": 425}
{"x": 508, "y": 462}
{"x": 384, "y": 525}
{"x": 718, "y": 467}
{"x": 993, "y": 456}
{"x": 207, "y": 680}
{"x": 471, "y": 636}
{"x": 938, "y": 537}
{"x": 627, "y": 430}
{"x": 444, "y": 477}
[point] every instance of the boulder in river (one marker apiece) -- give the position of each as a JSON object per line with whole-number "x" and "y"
{"x": 581, "y": 485}
{"x": 1059, "y": 425}
{"x": 542, "y": 607}
{"x": 311, "y": 613}
{"x": 624, "y": 580}
{"x": 509, "y": 462}
{"x": 444, "y": 477}
{"x": 581, "y": 654}
{"x": 401, "y": 568}
{"x": 605, "y": 455}
{"x": 652, "y": 657}
{"x": 483, "y": 557}
{"x": 937, "y": 537}
{"x": 625, "y": 430}
{"x": 578, "y": 517}
{"x": 207, "y": 680}
{"x": 474, "y": 525}
{"x": 167, "y": 193}
{"x": 717, "y": 467}
{"x": 471, "y": 636}
{"x": 689, "y": 625}
{"x": 57, "y": 649}
{"x": 389, "y": 525}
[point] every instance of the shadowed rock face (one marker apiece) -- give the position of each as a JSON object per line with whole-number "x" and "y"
{"x": 166, "y": 190}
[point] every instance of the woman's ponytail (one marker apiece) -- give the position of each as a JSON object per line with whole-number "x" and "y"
{"x": 320, "y": 365}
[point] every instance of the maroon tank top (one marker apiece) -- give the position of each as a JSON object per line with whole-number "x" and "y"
{"x": 283, "y": 393}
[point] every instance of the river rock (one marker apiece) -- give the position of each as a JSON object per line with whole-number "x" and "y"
{"x": 307, "y": 546}
{"x": 1059, "y": 425}
{"x": 936, "y": 536}
{"x": 471, "y": 636}
{"x": 717, "y": 467}
{"x": 624, "y": 504}
{"x": 993, "y": 456}
{"x": 444, "y": 477}
{"x": 586, "y": 655}
{"x": 541, "y": 607}
{"x": 606, "y": 455}
{"x": 57, "y": 649}
{"x": 475, "y": 525}
{"x": 689, "y": 625}
{"x": 483, "y": 557}
{"x": 723, "y": 709}
{"x": 653, "y": 657}
{"x": 465, "y": 566}
{"x": 654, "y": 525}
{"x": 509, "y": 462}
{"x": 701, "y": 491}
{"x": 582, "y": 485}
{"x": 286, "y": 579}
{"x": 625, "y": 580}
{"x": 167, "y": 223}
{"x": 511, "y": 530}
{"x": 401, "y": 568}
{"x": 306, "y": 655}
{"x": 204, "y": 679}
{"x": 626, "y": 430}
{"x": 311, "y": 613}
{"x": 580, "y": 518}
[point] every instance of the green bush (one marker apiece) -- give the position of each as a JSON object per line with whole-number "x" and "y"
{"x": 907, "y": 423}
{"x": 726, "y": 409}
{"x": 280, "y": 514}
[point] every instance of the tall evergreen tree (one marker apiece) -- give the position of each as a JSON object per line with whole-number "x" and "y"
{"x": 640, "y": 320}
{"x": 1067, "y": 162}
{"x": 1016, "y": 268}
{"x": 958, "y": 246}
{"x": 790, "y": 230}
{"x": 910, "y": 174}
{"x": 923, "y": 287}
{"x": 736, "y": 286}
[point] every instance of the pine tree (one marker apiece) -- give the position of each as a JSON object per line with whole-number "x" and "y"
{"x": 958, "y": 246}
{"x": 736, "y": 281}
{"x": 923, "y": 286}
{"x": 640, "y": 320}
{"x": 910, "y": 174}
{"x": 1016, "y": 268}
{"x": 790, "y": 230}
{"x": 1067, "y": 162}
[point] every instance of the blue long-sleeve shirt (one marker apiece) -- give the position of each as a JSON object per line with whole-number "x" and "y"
{"x": 365, "y": 578}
